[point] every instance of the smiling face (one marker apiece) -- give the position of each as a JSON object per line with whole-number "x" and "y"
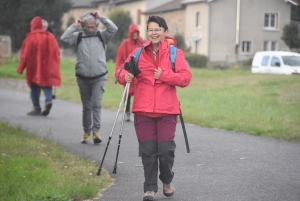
{"x": 156, "y": 33}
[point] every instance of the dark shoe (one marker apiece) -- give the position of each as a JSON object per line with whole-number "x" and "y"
{"x": 34, "y": 112}
{"x": 149, "y": 195}
{"x": 85, "y": 138}
{"x": 96, "y": 138}
{"x": 168, "y": 190}
{"x": 47, "y": 109}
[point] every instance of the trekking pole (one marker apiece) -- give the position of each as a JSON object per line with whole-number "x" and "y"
{"x": 121, "y": 130}
{"x": 184, "y": 132}
{"x": 112, "y": 130}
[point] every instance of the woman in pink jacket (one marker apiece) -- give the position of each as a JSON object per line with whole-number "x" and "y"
{"x": 156, "y": 105}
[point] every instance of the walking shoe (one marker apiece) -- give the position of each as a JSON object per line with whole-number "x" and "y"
{"x": 34, "y": 112}
{"x": 127, "y": 116}
{"x": 85, "y": 138}
{"x": 149, "y": 195}
{"x": 168, "y": 190}
{"x": 48, "y": 106}
{"x": 96, "y": 138}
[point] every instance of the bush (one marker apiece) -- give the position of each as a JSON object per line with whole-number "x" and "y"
{"x": 180, "y": 41}
{"x": 248, "y": 62}
{"x": 196, "y": 60}
{"x": 122, "y": 20}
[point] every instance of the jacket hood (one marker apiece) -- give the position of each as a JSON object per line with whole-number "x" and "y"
{"x": 36, "y": 23}
{"x": 171, "y": 41}
{"x": 133, "y": 28}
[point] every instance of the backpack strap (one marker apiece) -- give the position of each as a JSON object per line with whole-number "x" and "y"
{"x": 100, "y": 38}
{"x": 79, "y": 37}
{"x": 137, "y": 55}
{"x": 173, "y": 53}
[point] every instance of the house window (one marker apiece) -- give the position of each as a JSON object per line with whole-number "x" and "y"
{"x": 270, "y": 45}
{"x": 196, "y": 46}
{"x": 271, "y": 21}
{"x": 246, "y": 46}
{"x": 176, "y": 29}
{"x": 138, "y": 17}
{"x": 198, "y": 20}
{"x": 273, "y": 45}
{"x": 266, "y": 45}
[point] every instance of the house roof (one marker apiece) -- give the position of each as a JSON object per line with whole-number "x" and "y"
{"x": 170, "y": 6}
{"x": 86, "y": 3}
{"x": 82, "y": 3}
{"x": 123, "y": 1}
{"x": 194, "y": 1}
{"x": 294, "y": 2}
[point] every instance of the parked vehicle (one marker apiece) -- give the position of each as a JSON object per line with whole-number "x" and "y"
{"x": 276, "y": 62}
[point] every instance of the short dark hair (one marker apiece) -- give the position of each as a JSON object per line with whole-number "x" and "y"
{"x": 159, "y": 20}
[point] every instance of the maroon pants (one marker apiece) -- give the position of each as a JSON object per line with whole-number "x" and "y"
{"x": 157, "y": 148}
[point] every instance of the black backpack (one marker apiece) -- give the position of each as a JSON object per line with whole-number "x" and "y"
{"x": 79, "y": 37}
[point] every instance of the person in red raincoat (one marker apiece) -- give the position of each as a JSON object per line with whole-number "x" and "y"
{"x": 127, "y": 46}
{"x": 40, "y": 55}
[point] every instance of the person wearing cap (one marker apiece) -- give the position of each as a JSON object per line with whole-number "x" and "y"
{"x": 132, "y": 42}
{"x": 156, "y": 105}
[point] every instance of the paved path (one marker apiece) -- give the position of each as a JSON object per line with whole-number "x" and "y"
{"x": 222, "y": 165}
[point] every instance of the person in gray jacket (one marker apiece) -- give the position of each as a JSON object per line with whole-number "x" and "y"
{"x": 90, "y": 67}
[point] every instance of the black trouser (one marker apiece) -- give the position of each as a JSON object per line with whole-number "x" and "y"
{"x": 128, "y": 104}
{"x": 156, "y": 155}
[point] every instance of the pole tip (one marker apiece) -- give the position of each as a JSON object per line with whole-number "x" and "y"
{"x": 115, "y": 170}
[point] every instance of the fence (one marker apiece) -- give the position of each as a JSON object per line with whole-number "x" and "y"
{"x": 5, "y": 49}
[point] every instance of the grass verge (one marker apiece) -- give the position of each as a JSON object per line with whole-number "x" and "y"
{"x": 38, "y": 169}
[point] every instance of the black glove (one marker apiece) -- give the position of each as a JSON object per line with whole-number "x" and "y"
{"x": 132, "y": 67}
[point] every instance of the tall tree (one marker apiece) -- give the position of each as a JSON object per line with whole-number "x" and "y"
{"x": 290, "y": 35}
{"x": 15, "y": 17}
{"x": 122, "y": 19}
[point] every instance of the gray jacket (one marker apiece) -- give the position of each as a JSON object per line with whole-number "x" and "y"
{"x": 91, "y": 59}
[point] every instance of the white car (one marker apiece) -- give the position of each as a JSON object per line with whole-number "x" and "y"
{"x": 276, "y": 62}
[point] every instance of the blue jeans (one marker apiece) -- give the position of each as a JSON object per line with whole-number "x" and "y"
{"x": 36, "y": 92}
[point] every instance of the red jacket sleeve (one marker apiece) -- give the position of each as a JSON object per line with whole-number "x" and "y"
{"x": 121, "y": 57}
{"x": 22, "y": 64}
{"x": 182, "y": 75}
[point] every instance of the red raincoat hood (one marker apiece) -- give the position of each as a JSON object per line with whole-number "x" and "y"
{"x": 133, "y": 28}
{"x": 36, "y": 24}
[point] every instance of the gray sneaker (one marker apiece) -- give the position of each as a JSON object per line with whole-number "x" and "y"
{"x": 35, "y": 112}
{"x": 127, "y": 116}
{"x": 149, "y": 195}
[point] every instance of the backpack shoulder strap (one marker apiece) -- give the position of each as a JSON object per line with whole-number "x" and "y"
{"x": 137, "y": 55}
{"x": 100, "y": 38}
{"x": 79, "y": 37}
{"x": 173, "y": 53}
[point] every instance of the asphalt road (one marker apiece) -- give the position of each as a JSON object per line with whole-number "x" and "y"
{"x": 222, "y": 165}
